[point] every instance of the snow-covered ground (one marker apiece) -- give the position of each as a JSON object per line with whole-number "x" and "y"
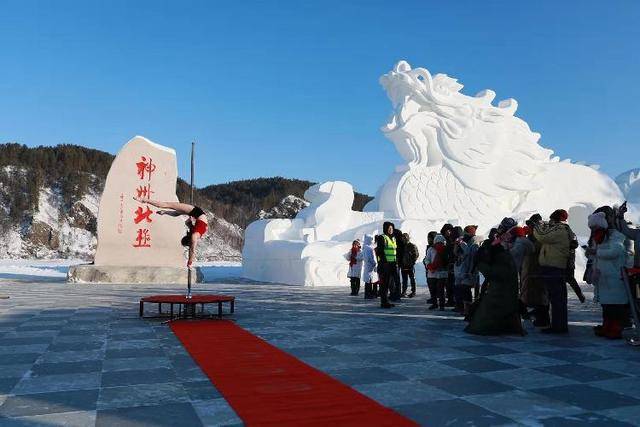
{"x": 56, "y": 270}
{"x": 36, "y": 270}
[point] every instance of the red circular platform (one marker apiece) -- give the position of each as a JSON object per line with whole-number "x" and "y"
{"x": 186, "y": 306}
{"x": 182, "y": 299}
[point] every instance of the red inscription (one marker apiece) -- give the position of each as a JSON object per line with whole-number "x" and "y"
{"x": 144, "y": 239}
{"x": 141, "y": 215}
{"x": 144, "y": 191}
{"x": 145, "y": 167}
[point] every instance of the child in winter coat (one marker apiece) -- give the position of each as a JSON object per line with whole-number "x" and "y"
{"x": 370, "y": 266}
{"x": 355, "y": 258}
{"x": 438, "y": 269}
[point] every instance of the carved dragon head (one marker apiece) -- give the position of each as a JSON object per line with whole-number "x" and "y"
{"x": 433, "y": 123}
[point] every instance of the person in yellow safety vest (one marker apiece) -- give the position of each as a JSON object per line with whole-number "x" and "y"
{"x": 386, "y": 251}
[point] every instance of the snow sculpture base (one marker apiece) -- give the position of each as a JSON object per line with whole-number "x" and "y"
{"x": 111, "y": 274}
{"x": 467, "y": 162}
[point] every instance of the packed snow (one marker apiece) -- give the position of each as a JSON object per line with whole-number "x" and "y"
{"x": 56, "y": 270}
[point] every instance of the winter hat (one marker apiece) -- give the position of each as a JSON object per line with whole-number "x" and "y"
{"x": 368, "y": 239}
{"x": 506, "y": 224}
{"x": 470, "y": 229}
{"x": 439, "y": 239}
{"x": 445, "y": 228}
{"x": 559, "y": 215}
{"x": 534, "y": 219}
{"x": 597, "y": 220}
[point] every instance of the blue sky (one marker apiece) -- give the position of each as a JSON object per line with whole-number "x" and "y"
{"x": 291, "y": 88}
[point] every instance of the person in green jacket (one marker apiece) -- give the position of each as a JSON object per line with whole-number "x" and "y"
{"x": 554, "y": 238}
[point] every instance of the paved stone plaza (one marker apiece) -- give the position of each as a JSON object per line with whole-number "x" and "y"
{"x": 79, "y": 355}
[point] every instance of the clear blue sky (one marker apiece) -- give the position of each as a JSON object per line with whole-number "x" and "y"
{"x": 291, "y": 87}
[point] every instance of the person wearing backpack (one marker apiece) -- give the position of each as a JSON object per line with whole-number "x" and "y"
{"x": 438, "y": 269}
{"x": 407, "y": 266}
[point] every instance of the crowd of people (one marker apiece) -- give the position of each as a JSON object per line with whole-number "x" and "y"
{"x": 518, "y": 271}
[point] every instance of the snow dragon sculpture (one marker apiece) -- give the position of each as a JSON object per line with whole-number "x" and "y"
{"x": 472, "y": 162}
{"x": 467, "y": 162}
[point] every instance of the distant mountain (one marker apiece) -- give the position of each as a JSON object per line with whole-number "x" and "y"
{"x": 49, "y": 200}
{"x": 287, "y": 208}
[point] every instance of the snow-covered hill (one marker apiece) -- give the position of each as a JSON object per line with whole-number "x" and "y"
{"x": 287, "y": 208}
{"x": 54, "y": 231}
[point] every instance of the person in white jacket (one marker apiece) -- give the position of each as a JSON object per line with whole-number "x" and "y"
{"x": 355, "y": 258}
{"x": 370, "y": 275}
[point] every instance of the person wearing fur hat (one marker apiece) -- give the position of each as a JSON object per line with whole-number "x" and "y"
{"x": 609, "y": 288}
{"x": 370, "y": 276}
{"x": 555, "y": 250}
{"x": 386, "y": 251}
{"x": 355, "y": 258}
{"x": 437, "y": 269}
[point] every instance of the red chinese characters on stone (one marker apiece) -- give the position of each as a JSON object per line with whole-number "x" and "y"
{"x": 144, "y": 191}
{"x": 143, "y": 240}
{"x": 142, "y": 215}
{"x": 145, "y": 166}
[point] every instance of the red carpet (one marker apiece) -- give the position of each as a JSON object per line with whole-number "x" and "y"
{"x": 266, "y": 386}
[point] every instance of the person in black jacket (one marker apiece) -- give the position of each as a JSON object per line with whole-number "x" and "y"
{"x": 407, "y": 265}
{"x": 396, "y": 291}
{"x": 386, "y": 251}
{"x": 447, "y": 232}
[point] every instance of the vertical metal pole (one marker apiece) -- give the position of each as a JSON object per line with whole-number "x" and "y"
{"x": 193, "y": 145}
{"x": 193, "y": 148}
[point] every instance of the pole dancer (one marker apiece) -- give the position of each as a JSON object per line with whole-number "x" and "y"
{"x": 197, "y": 223}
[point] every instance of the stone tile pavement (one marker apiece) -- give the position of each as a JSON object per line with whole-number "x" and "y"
{"x": 78, "y": 355}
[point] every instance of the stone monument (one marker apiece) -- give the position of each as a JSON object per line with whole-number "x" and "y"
{"x": 467, "y": 161}
{"x": 135, "y": 245}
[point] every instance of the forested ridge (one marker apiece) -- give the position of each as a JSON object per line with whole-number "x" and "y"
{"x": 74, "y": 170}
